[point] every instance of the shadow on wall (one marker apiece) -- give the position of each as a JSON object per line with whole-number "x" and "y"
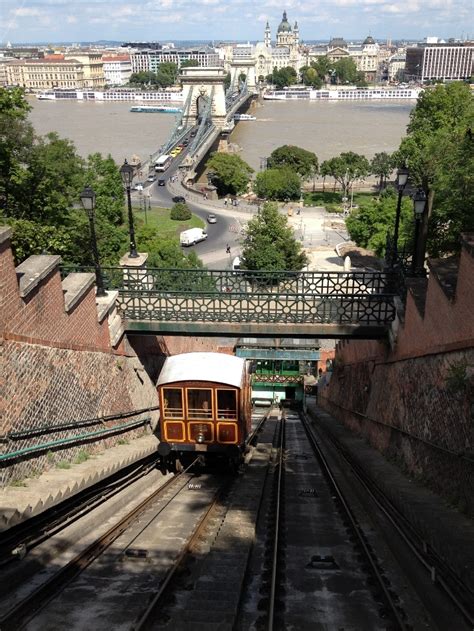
{"x": 152, "y": 351}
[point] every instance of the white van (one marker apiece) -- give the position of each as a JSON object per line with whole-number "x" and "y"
{"x": 192, "y": 236}
{"x": 236, "y": 263}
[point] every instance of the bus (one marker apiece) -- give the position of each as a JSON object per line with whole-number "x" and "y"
{"x": 163, "y": 162}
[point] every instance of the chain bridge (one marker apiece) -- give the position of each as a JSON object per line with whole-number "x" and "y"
{"x": 251, "y": 303}
{"x": 208, "y": 109}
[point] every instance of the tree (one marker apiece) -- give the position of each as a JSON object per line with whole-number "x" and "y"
{"x": 189, "y": 63}
{"x": 301, "y": 161}
{"x": 368, "y": 225}
{"x": 180, "y": 212}
{"x": 283, "y": 77}
{"x": 278, "y": 184}
{"x": 145, "y": 77}
{"x": 381, "y": 165}
{"x": 270, "y": 244}
{"x": 165, "y": 253}
{"x": 309, "y": 76}
{"x": 439, "y": 132}
{"x": 16, "y": 138}
{"x": 231, "y": 173}
{"x": 346, "y": 72}
{"x": 166, "y": 74}
{"x": 346, "y": 168}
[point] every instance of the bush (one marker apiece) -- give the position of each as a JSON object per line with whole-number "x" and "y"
{"x": 180, "y": 212}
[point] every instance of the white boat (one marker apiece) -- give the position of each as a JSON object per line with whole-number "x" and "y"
{"x": 343, "y": 94}
{"x": 155, "y": 108}
{"x": 117, "y": 94}
{"x": 244, "y": 117}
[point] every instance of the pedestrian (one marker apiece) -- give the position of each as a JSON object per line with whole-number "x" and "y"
{"x": 205, "y": 195}
{"x": 225, "y": 201}
{"x": 227, "y": 249}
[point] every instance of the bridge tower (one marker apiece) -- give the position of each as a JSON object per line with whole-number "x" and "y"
{"x": 200, "y": 85}
{"x": 246, "y": 66}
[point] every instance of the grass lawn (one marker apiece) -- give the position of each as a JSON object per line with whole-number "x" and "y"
{"x": 332, "y": 201}
{"x": 159, "y": 218}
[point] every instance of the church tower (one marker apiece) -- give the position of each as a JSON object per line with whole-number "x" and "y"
{"x": 296, "y": 35}
{"x": 268, "y": 36}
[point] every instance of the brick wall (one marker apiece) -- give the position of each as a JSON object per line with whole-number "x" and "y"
{"x": 49, "y": 386}
{"x": 414, "y": 401}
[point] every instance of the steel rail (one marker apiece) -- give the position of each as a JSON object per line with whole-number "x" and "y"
{"x": 424, "y": 553}
{"x": 70, "y": 510}
{"x": 23, "y": 611}
{"x": 271, "y": 604}
{"x": 355, "y": 527}
{"x": 144, "y": 618}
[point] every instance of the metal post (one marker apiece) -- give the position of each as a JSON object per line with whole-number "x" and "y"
{"x": 415, "y": 267}
{"x": 418, "y": 262}
{"x": 88, "y": 203}
{"x": 133, "y": 248}
{"x": 396, "y": 229}
{"x": 95, "y": 253}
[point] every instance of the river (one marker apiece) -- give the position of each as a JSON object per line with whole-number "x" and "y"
{"x": 325, "y": 128}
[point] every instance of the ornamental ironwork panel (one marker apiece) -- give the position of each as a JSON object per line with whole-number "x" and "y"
{"x": 202, "y": 295}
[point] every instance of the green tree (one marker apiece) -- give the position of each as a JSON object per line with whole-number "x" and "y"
{"x": 301, "y": 161}
{"x": 346, "y": 168}
{"x": 381, "y": 165}
{"x": 189, "y": 63}
{"x": 166, "y": 74}
{"x": 270, "y": 244}
{"x": 368, "y": 225}
{"x": 145, "y": 77}
{"x": 309, "y": 76}
{"x": 231, "y": 173}
{"x": 346, "y": 72}
{"x": 104, "y": 177}
{"x": 278, "y": 184}
{"x": 180, "y": 212}
{"x": 16, "y": 139}
{"x": 437, "y": 144}
{"x": 283, "y": 77}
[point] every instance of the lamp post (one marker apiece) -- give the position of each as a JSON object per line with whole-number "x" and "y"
{"x": 88, "y": 203}
{"x": 402, "y": 179}
{"x": 126, "y": 172}
{"x": 419, "y": 204}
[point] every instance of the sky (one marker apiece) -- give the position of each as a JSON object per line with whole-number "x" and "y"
{"x": 29, "y": 21}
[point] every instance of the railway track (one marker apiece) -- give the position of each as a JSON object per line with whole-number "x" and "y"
{"x": 439, "y": 578}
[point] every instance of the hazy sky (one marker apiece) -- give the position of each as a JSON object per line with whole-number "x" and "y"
{"x": 165, "y": 20}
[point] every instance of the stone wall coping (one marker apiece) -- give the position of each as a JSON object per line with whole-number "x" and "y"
{"x": 5, "y": 233}
{"x": 75, "y": 286}
{"x": 138, "y": 261}
{"x": 105, "y": 304}
{"x": 32, "y": 271}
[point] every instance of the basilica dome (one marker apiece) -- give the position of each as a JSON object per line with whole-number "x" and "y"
{"x": 369, "y": 40}
{"x": 284, "y": 25}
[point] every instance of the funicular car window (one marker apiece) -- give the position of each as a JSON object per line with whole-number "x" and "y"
{"x": 199, "y": 403}
{"x": 226, "y": 404}
{"x": 173, "y": 403}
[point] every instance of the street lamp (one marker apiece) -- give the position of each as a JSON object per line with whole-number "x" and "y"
{"x": 126, "y": 172}
{"x": 88, "y": 203}
{"x": 419, "y": 204}
{"x": 402, "y": 179}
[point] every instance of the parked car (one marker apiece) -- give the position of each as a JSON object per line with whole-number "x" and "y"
{"x": 161, "y": 182}
{"x": 138, "y": 186}
{"x": 178, "y": 199}
{"x": 211, "y": 218}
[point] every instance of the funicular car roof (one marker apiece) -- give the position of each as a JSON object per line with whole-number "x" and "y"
{"x": 214, "y": 367}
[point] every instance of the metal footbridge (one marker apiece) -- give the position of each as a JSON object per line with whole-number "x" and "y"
{"x": 250, "y": 303}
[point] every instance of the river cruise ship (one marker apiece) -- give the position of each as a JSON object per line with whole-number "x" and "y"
{"x": 342, "y": 94}
{"x": 110, "y": 95}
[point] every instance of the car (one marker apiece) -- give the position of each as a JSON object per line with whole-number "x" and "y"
{"x": 185, "y": 142}
{"x": 151, "y": 178}
{"x": 161, "y": 182}
{"x": 178, "y": 199}
{"x": 193, "y": 133}
{"x": 138, "y": 186}
{"x": 211, "y": 218}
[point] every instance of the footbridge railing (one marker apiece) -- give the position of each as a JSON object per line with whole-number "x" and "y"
{"x": 201, "y": 295}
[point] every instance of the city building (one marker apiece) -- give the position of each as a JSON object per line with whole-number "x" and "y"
{"x": 41, "y": 74}
{"x": 93, "y": 67}
{"x": 439, "y": 61}
{"x": 149, "y": 59}
{"x": 117, "y": 69}
{"x": 396, "y": 67}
